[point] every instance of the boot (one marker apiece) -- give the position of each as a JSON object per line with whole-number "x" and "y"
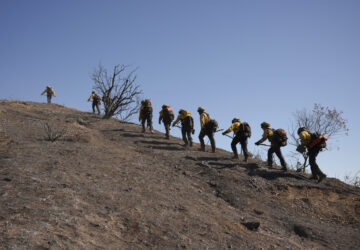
{"x": 235, "y": 157}
{"x": 245, "y": 159}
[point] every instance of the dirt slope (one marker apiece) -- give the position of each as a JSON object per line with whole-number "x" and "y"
{"x": 105, "y": 185}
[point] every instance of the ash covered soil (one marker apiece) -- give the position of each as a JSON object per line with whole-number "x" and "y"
{"x": 106, "y": 185}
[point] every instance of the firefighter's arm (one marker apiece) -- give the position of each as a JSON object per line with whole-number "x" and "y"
{"x": 53, "y": 92}
{"x": 228, "y": 130}
{"x": 43, "y": 92}
{"x": 160, "y": 117}
{"x": 90, "y": 98}
{"x": 262, "y": 139}
{"x": 176, "y": 121}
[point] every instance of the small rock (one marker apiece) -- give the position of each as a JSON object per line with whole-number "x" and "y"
{"x": 301, "y": 231}
{"x": 251, "y": 225}
{"x": 258, "y": 212}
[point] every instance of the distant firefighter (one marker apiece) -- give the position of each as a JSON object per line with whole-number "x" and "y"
{"x": 277, "y": 139}
{"x": 187, "y": 126}
{"x": 208, "y": 128}
{"x": 96, "y": 101}
{"x": 145, "y": 114}
{"x": 166, "y": 116}
{"x": 49, "y": 93}
{"x": 313, "y": 143}
{"x": 242, "y": 132}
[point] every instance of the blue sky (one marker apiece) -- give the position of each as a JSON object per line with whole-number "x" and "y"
{"x": 255, "y": 60}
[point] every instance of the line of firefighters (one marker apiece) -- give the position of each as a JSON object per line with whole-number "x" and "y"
{"x": 311, "y": 143}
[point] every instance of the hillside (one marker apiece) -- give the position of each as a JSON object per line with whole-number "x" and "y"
{"x": 105, "y": 185}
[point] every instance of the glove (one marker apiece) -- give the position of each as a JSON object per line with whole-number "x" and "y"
{"x": 193, "y": 131}
{"x": 223, "y": 133}
{"x": 257, "y": 143}
{"x": 301, "y": 149}
{"x": 159, "y": 122}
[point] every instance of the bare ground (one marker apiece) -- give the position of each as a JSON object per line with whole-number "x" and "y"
{"x": 104, "y": 185}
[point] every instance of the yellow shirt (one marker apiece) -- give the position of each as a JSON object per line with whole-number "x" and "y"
{"x": 234, "y": 127}
{"x": 267, "y": 135}
{"x": 204, "y": 118}
{"x": 94, "y": 96}
{"x": 181, "y": 116}
{"x": 305, "y": 138}
{"x": 49, "y": 91}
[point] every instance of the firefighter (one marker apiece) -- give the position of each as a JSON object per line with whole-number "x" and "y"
{"x": 166, "y": 116}
{"x": 313, "y": 145}
{"x": 95, "y": 101}
{"x": 145, "y": 115}
{"x": 49, "y": 93}
{"x": 240, "y": 136}
{"x": 208, "y": 128}
{"x": 187, "y": 126}
{"x": 275, "y": 146}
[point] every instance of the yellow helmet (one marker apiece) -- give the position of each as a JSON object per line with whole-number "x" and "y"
{"x": 200, "y": 109}
{"x": 235, "y": 120}
{"x": 265, "y": 125}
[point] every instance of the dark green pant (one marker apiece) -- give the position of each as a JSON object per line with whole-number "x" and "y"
{"x": 95, "y": 104}
{"x": 275, "y": 148}
{"x": 243, "y": 142}
{"x": 147, "y": 118}
{"x": 186, "y": 129}
{"x": 315, "y": 170}
{"x": 206, "y": 131}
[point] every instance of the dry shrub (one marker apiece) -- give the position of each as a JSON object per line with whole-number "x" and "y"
{"x": 53, "y": 131}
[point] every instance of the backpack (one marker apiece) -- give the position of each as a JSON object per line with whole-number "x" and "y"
{"x": 168, "y": 113}
{"x": 318, "y": 140}
{"x": 212, "y": 125}
{"x": 147, "y": 107}
{"x": 280, "y": 137}
{"x": 245, "y": 129}
{"x": 97, "y": 99}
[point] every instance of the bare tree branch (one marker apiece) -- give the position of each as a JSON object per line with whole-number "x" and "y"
{"x": 120, "y": 93}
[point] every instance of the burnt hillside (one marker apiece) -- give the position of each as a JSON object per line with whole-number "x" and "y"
{"x": 104, "y": 185}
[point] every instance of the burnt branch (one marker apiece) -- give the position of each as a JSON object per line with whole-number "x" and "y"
{"x": 120, "y": 93}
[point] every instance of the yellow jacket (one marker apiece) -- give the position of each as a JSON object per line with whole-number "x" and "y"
{"x": 204, "y": 118}
{"x": 305, "y": 138}
{"x": 49, "y": 91}
{"x": 181, "y": 116}
{"x": 94, "y": 96}
{"x": 268, "y": 134}
{"x": 234, "y": 127}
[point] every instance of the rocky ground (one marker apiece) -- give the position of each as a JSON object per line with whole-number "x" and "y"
{"x": 102, "y": 184}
